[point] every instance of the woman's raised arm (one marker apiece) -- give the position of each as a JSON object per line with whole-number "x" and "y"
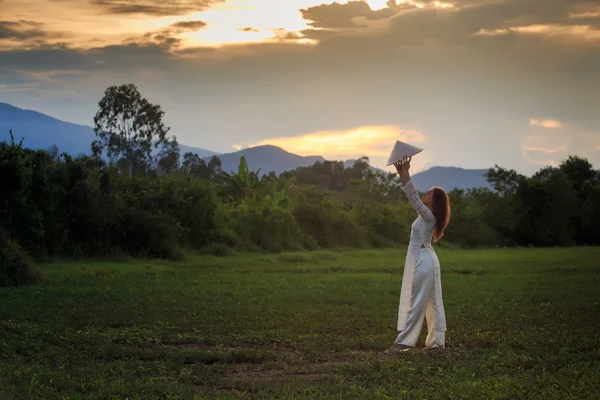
{"x": 411, "y": 191}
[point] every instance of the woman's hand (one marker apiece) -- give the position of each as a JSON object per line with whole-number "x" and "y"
{"x": 402, "y": 167}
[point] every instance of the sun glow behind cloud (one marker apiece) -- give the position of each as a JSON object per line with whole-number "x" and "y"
{"x": 546, "y": 123}
{"x": 552, "y": 31}
{"x": 376, "y": 142}
{"x": 86, "y": 24}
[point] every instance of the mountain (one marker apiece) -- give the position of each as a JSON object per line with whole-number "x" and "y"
{"x": 267, "y": 158}
{"x": 196, "y": 150}
{"x": 451, "y": 178}
{"x": 42, "y": 131}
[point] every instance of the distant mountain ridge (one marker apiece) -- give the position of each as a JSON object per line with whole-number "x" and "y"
{"x": 451, "y": 178}
{"x": 42, "y": 131}
{"x": 267, "y": 158}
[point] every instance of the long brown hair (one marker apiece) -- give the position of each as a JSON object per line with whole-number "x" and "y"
{"x": 441, "y": 211}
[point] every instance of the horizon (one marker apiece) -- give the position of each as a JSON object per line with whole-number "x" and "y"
{"x": 390, "y": 169}
{"x": 474, "y": 82}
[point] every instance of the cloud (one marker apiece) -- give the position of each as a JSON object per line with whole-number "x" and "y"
{"x": 581, "y": 32}
{"x": 336, "y": 15}
{"x": 492, "y": 32}
{"x": 237, "y": 146}
{"x": 553, "y": 147}
{"x": 21, "y": 30}
{"x": 188, "y": 25}
{"x": 169, "y": 37}
{"x": 543, "y": 151}
{"x": 150, "y": 7}
{"x": 547, "y": 123}
{"x": 585, "y": 14}
{"x": 376, "y": 142}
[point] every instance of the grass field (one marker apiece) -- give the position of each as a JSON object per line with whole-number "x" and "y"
{"x": 521, "y": 324}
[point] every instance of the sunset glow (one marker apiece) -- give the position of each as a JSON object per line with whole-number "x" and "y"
{"x": 229, "y": 22}
{"x": 547, "y": 123}
{"x": 375, "y": 142}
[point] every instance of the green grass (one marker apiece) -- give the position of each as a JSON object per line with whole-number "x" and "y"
{"x": 521, "y": 324}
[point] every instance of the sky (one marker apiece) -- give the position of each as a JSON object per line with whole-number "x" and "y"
{"x": 473, "y": 82}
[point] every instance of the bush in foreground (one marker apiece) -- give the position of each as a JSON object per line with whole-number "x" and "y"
{"x": 16, "y": 267}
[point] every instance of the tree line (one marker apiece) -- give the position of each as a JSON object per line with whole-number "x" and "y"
{"x": 135, "y": 195}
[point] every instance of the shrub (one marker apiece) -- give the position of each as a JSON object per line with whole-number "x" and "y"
{"x": 16, "y": 267}
{"x": 217, "y": 249}
{"x": 326, "y": 221}
{"x": 383, "y": 224}
{"x": 259, "y": 224}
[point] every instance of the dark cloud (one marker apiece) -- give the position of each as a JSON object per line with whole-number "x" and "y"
{"x": 117, "y": 58}
{"x": 189, "y": 25}
{"x": 167, "y": 38}
{"x": 248, "y": 29}
{"x": 20, "y": 30}
{"x": 154, "y": 7}
{"x": 337, "y": 15}
{"x": 43, "y": 59}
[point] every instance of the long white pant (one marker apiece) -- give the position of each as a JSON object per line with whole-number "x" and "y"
{"x": 423, "y": 304}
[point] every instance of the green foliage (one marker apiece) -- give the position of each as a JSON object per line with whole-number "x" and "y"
{"x": 16, "y": 267}
{"x": 385, "y": 225}
{"x": 260, "y": 224}
{"x": 468, "y": 228}
{"x": 326, "y": 220}
{"x": 240, "y": 186}
{"x": 217, "y": 249}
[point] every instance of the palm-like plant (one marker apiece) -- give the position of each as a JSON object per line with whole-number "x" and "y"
{"x": 240, "y": 185}
{"x": 280, "y": 189}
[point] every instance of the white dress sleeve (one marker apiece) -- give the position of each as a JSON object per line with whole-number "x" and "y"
{"x": 413, "y": 197}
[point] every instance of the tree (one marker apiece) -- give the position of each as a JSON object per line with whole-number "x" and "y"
{"x": 214, "y": 167}
{"x": 168, "y": 158}
{"x": 279, "y": 190}
{"x": 583, "y": 178}
{"x": 240, "y": 185}
{"x": 195, "y": 166}
{"x": 549, "y": 205}
{"x": 504, "y": 181}
{"x": 128, "y": 125}
{"x": 580, "y": 172}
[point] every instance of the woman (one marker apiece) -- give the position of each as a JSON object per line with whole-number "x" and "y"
{"x": 421, "y": 294}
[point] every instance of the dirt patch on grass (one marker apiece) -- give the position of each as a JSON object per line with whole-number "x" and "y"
{"x": 192, "y": 345}
{"x": 252, "y": 373}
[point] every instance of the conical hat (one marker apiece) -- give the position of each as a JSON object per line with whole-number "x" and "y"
{"x": 401, "y": 150}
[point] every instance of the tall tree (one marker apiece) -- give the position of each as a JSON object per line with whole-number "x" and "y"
{"x": 504, "y": 181}
{"x": 583, "y": 178}
{"x": 195, "y": 166}
{"x": 214, "y": 167}
{"x": 128, "y": 125}
{"x": 549, "y": 206}
{"x": 580, "y": 172}
{"x": 168, "y": 158}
